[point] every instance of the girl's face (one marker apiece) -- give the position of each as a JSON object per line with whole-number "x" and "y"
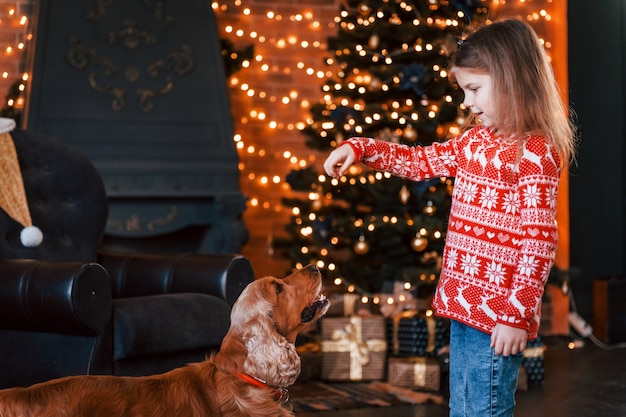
{"x": 478, "y": 98}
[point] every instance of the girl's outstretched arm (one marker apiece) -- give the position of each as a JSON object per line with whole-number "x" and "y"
{"x": 416, "y": 163}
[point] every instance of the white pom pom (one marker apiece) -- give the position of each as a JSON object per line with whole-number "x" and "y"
{"x": 6, "y": 124}
{"x": 31, "y": 236}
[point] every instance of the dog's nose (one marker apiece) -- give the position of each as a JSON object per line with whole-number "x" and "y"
{"x": 313, "y": 269}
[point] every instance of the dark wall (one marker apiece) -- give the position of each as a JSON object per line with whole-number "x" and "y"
{"x": 597, "y": 57}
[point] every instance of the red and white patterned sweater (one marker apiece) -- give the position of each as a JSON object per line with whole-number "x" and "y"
{"x": 502, "y": 233}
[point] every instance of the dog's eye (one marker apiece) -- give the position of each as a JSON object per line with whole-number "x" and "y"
{"x": 279, "y": 287}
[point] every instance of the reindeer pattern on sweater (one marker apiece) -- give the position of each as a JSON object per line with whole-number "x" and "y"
{"x": 502, "y": 234}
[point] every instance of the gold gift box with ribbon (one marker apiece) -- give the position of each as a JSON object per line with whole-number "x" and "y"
{"x": 353, "y": 348}
{"x": 419, "y": 372}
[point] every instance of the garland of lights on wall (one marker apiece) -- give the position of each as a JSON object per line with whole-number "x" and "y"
{"x": 534, "y": 11}
{"x": 308, "y": 22}
{"x": 17, "y": 36}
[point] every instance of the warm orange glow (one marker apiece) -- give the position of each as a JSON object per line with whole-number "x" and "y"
{"x": 273, "y": 94}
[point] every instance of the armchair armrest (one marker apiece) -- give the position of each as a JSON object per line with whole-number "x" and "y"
{"x": 133, "y": 275}
{"x": 55, "y": 297}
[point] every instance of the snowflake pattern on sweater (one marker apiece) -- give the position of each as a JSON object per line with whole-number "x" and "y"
{"x": 502, "y": 233}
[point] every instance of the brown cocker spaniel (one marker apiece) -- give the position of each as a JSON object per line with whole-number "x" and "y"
{"x": 248, "y": 377}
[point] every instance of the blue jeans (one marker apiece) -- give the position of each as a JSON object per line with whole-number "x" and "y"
{"x": 482, "y": 384}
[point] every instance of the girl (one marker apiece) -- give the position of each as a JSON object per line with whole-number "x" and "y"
{"x": 502, "y": 233}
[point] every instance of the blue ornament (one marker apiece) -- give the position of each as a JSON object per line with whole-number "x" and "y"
{"x": 412, "y": 76}
{"x": 321, "y": 228}
{"x": 467, "y": 7}
{"x": 420, "y": 187}
{"x": 341, "y": 114}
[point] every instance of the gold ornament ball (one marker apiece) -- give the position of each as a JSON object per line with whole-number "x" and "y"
{"x": 361, "y": 247}
{"x": 404, "y": 194}
{"x": 410, "y": 134}
{"x": 430, "y": 209}
{"x": 419, "y": 243}
{"x": 316, "y": 205}
{"x": 338, "y": 138}
{"x": 374, "y": 41}
{"x": 374, "y": 84}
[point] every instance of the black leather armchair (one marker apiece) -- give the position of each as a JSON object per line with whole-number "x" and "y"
{"x": 66, "y": 309}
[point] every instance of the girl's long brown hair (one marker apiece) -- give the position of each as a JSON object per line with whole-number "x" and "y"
{"x": 524, "y": 89}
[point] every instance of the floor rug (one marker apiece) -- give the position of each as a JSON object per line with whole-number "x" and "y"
{"x": 325, "y": 396}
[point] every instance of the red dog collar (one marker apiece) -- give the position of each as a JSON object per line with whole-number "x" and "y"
{"x": 280, "y": 394}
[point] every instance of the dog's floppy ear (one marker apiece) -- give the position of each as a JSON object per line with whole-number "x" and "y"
{"x": 270, "y": 356}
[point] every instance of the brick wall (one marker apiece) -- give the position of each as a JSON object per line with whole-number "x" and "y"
{"x": 278, "y": 40}
{"x": 281, "y": 71}
{"x": 15, "y": 39}
{"x": 267, "y": 219}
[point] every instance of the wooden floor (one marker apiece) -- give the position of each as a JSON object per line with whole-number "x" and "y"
{"x": 583, "y": 382}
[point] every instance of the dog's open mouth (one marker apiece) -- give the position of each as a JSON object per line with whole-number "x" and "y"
{"x": 311, "y": 311}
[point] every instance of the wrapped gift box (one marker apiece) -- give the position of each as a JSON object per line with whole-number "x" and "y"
{"x": 353, "y": 348}
{"x": 422, "y": 373}
{"x": 533, "y": 362}
{"x": 411, "y": 334}
{"x": 310, "y": 361}
{"x": 343, "y": 304}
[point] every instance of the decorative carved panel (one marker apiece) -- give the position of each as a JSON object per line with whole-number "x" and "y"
{"x": 148, "y": 80}
{"x": 139, "y": 87}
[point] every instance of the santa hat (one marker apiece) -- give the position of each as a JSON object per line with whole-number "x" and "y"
{"x": 12, "y": 194}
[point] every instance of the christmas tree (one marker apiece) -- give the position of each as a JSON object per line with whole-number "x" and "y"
{"x": 388, "y": 61}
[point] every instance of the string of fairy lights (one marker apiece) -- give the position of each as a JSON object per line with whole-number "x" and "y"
{"x": 15, "y": 37}
{"x": 403, "y": 112}
{"x": 279, "y": 51}
{"x": 536, "y": 12}
{"x": 307, "y": 26}
{"x": 16, "y": 17}
{"x": 305, "y": 18}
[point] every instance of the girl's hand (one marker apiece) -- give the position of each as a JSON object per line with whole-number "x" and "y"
{"x": 339, "y": 161}
{"x": 507, "y": 340}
